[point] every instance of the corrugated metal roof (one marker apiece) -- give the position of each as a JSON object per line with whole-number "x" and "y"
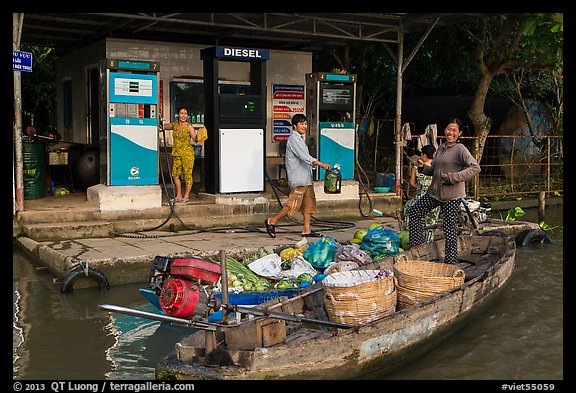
{"x": 302, "y": 31}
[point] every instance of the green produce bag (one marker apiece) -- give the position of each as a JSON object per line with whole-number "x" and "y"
{"x": 321, "y": 253}
{"x": 380, "y": 242}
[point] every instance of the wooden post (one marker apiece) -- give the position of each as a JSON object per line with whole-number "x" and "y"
{"x": 541, "y": 206}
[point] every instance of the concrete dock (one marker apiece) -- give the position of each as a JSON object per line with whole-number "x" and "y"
{"x": 63, "y": 233}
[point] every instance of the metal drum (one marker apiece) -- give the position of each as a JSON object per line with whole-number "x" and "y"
{"x": 34, "y": 168}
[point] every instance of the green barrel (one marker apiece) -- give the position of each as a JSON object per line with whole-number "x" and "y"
{"x": 34, "y": 168}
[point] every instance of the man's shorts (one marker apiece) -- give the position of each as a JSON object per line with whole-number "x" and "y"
{"x": 302, "y": 197}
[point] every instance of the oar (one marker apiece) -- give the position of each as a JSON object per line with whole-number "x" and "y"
{"x": 210, "y": 326}
{"x": 161, "y": 317}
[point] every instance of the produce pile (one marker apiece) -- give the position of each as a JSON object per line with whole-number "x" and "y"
{"x": 310, "y": 262}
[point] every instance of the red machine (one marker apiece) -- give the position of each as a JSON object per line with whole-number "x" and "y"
{"x": 177, "y": 282}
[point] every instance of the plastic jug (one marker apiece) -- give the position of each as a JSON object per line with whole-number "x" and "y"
{"x": 333, "y": 180}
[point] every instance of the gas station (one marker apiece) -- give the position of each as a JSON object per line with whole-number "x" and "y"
{"x": 124, "y": 99}
{"x": 234, "y": 156}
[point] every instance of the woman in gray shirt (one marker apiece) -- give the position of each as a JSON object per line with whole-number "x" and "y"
{"x": 452, "y": 166}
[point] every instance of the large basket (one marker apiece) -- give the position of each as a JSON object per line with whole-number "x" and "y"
{"x": 417, "y": 281}
{"x": 359, "y": 296}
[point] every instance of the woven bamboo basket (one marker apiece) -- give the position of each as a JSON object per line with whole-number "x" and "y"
{"x": 417, "y": 281}
{"x": 356, "y": 297}
{"x": 428, "y": 276}
{"x": 408, "y": 297}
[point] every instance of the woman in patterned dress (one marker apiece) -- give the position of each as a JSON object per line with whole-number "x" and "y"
{"x": 182, "y": 153}
{"x": 422, "y": 182}
{"x": 451, "y": 168}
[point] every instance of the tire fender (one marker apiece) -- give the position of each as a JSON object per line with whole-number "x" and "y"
{"x": 79, "y": 272}
{"x": 530, "y": 236}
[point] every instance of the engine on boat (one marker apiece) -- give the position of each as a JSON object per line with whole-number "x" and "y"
{"x": 178, "y": 281}
{"x": 480, "y": 212}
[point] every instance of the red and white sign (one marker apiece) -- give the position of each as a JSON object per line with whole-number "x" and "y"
{"x": 287, "y": 100}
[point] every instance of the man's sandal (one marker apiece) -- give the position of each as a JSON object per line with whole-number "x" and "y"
{"x": 271, "y": 229}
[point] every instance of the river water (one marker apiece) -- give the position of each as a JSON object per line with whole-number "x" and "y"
{"x": 67, "y": 337}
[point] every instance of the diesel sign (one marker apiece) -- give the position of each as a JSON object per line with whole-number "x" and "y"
{"x": 242, "y": 53}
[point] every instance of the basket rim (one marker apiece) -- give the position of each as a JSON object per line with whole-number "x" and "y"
{"x": 364, "y": 275}
{"x": 457, "y": 272}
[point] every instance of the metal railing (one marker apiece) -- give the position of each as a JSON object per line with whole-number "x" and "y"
{"x": 512, "y": 165}
{"x": 517, "y": 165}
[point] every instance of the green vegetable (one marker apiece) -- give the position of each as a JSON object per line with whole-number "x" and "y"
{"x": 284, "y": 284}
{"x": 262, "y": 285}
{"x": 241, "y": 271}
{"x": 305, "y": 277}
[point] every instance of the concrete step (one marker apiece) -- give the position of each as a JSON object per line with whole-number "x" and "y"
{"x": 68, "y": 230}
{"x": 74, "y": 218}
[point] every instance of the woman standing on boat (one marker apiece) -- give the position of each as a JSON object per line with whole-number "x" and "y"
{"x": 451, "y": 167}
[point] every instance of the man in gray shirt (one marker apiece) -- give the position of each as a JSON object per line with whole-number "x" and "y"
{"x": 299, "y": 166}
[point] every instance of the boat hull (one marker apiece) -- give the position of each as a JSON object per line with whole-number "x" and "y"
{"x": 379, "y": 347}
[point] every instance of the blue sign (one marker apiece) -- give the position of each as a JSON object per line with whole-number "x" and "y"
{"x": 21, "y": 61}
{"x": 229, "y": 52}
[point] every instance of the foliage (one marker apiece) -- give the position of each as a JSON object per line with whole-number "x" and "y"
{"x": 513, "y": 214}
{"x": 507, "y": 46}
{"x": 39, "y": 89}
{"x": 538, "y": 73}
{"x": 436, "y": 70}
{"x": 546, "y": 227}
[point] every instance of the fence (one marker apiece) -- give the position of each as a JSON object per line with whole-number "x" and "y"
{"x": 517, "y": 166}
{"x": 512, "y": 165}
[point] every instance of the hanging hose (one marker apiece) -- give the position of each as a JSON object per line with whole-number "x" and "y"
{"x": 171, "y": 201}
{"x": 364, "y": 191}
{"x": 322, "y": 223}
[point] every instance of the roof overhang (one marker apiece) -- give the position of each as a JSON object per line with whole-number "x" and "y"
{"x": 287, "y": 31}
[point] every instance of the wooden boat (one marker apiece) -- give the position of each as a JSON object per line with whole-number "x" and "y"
{"x": 293, "y": 338}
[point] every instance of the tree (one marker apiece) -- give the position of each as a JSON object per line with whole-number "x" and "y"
{"x": 505, "y": 46}
{"x": 39, "y": 89}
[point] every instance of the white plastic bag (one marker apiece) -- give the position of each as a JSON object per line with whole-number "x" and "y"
{"x": 299, "y": 266}
{"x": 268, "y": 266}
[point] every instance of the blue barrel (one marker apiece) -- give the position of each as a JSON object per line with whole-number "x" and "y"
{"x": 34, "y": 169}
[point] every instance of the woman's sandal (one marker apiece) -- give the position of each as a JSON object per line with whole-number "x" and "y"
{"x": 312, "y": 234}
{"x": 271, "y": 229}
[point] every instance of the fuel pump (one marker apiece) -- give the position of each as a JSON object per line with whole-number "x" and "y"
{"x": 236, "y": 123}
{"x": 331, "y": 110}
{"x": 129, "y": 143}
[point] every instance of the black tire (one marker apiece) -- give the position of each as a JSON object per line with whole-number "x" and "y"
{"x": 494, "y": 232}
{"x": 531, "y": 236}
{"x": 77, "y": 273}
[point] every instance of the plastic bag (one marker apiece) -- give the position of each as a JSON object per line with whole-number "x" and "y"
{"x": 268, "y": 266}
{"x": 202, "y": 134}
{"x": 299, "y": 266}
{"x": 335, "y": 267}
{"x": 379, "y": 242}
{"x": 352, "y": 253}
{"x": 321, "y": 252}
